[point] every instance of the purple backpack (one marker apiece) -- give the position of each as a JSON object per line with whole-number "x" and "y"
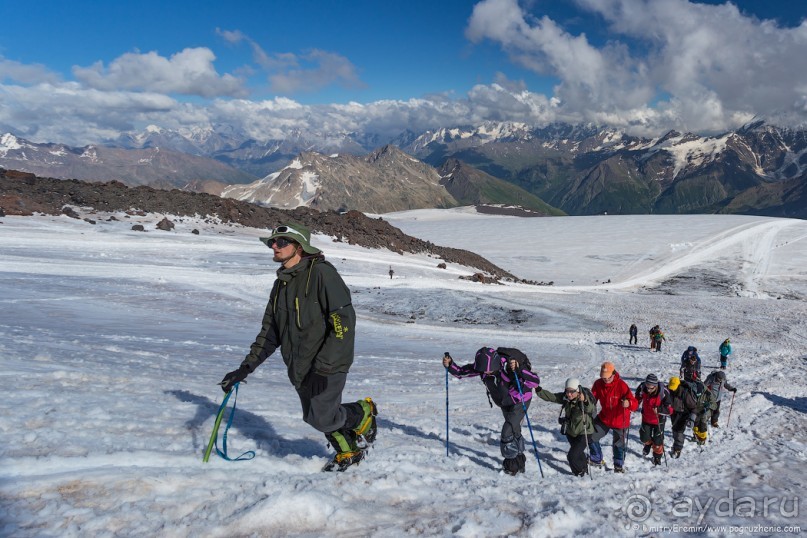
{"x": 487, "y": 360}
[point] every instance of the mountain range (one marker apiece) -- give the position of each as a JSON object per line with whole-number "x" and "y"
{"x": 555, "y": 169}
{"x": 158, "y": 166}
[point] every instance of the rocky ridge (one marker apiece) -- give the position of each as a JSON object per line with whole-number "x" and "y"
{"x": 25, "y": 194}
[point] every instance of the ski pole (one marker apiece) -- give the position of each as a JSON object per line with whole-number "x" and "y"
{"x": 625, "y": 433}
{"x": 662, "y": 422}
{"x": 447, "y": 430}
{"x": 730, "y": 408}
{"x": 529, "y": 426}
{"x": 662, "y": 444}
{"x": 585, "y": 432}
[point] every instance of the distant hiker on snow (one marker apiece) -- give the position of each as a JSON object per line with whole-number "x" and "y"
{"x": 576, "y": 420}
{"x": 391, "y": 272}
{"x": 311, "y": 319}
{"x": 616, "y": 402}
{"x": 653, "y": 332}
{"x": 719, "y": 386}
{"x": 656, "y": 404}
{"x": 690, "y": 365}
{"x": 725, "y": 351}
{"x": 658, "y": 338}
{"x": 692, "y": 404}
{"x": 633, "y": 331}
{"x": 498, "y": 369}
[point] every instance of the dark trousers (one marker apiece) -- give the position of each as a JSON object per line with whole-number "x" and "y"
{"x": 652, "y": 434}
{"x": 512, "y": 442}
{"x": 716, "y": 413}
{"x": 679, "y": 426}
{"x": 634, "y": 339}
{"x": 577, "y": 453}
{"x": 325, "y": 411}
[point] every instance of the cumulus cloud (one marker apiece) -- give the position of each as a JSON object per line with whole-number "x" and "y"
{"x": 672, "y": 64}
{"x": 189, "y": 72}
{"x": 291, "y": 73}
{"x": 70, "y": 113}
{"x": 25, "y": 74}
{"x": 702, "y": 67}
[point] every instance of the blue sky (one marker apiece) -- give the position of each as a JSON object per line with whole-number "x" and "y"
{"x": 641, "y": 65}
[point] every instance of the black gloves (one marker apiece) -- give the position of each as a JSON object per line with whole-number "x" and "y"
{"x": 316, "y": 383}
{"x": 734, "y": 389}
{"x": 236, "y": 376}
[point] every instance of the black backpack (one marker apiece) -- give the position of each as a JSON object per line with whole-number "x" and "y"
{"x": 513, "y": 353}
{"x": 698, "y": 396}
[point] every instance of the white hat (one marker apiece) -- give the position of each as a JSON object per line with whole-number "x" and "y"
{"x": 573, "y": 383}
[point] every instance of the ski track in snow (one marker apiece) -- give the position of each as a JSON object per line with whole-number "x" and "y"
{"x": 112, "y": 342}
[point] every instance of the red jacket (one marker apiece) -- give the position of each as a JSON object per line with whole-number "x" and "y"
{"x": 660, "y": 402}
{"x": 610, "y": 396}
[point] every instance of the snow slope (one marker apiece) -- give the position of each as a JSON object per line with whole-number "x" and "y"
{"x": 112, "y": 342}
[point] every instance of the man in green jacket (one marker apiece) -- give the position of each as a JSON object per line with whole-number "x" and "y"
{"x": 576, "y": 421}
{"x": 311, "y": 319}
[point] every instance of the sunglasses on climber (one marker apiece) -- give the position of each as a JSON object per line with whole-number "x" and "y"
{"x": 280, "y": 242}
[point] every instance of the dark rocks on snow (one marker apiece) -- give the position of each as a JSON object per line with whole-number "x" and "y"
{"x": 138, "y": 228}
{"x": 23, "y": 194}
{"x": 70, "y": 212}
{"x": 165, "y": 225}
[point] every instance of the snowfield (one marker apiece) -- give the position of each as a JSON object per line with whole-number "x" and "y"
{"x": 112, "y": 343}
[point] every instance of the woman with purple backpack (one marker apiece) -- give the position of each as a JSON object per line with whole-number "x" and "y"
{"x": 498, "y": 369}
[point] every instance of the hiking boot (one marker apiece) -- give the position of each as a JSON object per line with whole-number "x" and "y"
{"x": 619, "y": 469}
{"x": 521, "y": 459}
{"x": 580, "y": 473}
{"x": 656, "y": 459}
{"x": 367, "y": 427}
{"x": 714, "y": 424}
{"x": 676, "y": 453}
{"x": 510, "y": 466}
{"x": 593, "y": 463}
{"x": 343, "y": 460}
{"x": 646, "y": 450}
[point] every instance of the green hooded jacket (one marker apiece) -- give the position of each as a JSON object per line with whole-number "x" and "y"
{"x": 311, "y": 318}
{"x": 571, "y": 410}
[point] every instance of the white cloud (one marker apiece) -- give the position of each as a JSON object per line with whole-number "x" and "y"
{"x": 315, "y": 70}
{"x": 290, "y": 73}
{"x": 189, "y": 72}
{"x": 705, "y": 67}
{"x": 672, "y": 64}
{"x": 26, "y": 74}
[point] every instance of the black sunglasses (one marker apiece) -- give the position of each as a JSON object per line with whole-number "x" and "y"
{"x": 281, "y": 242}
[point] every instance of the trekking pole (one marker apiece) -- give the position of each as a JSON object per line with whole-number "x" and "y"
{"x": 529, "y": 426}
{"x": 730, "y": 408}
{"x": 585, "y": 432}
{"x": 625, "y": 434}
{"x": 447, "y": 430}
{"x": 662, "y": 443}
{"x": 664, "y": 433}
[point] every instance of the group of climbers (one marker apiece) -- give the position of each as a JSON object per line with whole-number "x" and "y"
{"x": 686, "y": 400}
